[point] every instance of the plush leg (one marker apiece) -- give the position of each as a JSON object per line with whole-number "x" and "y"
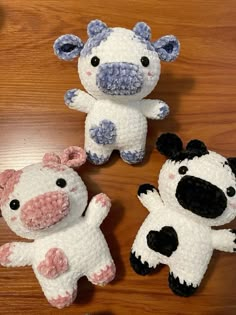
{"x": 97, "y": 154}
{"x": 61, "y": 291}
{"x": 180, "y": 288}
{"x": 132, "y": 156}
{"x": 141, "y": 268}
{"x": 102, "y": 274}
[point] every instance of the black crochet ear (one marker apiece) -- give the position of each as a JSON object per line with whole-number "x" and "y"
{"x": 232, "y": 164}
{"x": 169, "y": 144}
{"x": 197, "y": 147}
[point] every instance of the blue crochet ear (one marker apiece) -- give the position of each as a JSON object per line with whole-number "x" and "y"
{"x": 143, "y": 30}
{"x": 68, "y": 46}
{"x": 167, "y": 47}
{"x": 95, "y": 27}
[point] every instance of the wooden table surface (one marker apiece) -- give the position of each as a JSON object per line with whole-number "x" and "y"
{"x": 200, "y": 89}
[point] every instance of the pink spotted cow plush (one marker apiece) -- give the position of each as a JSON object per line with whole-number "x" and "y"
{"x": 44, "y": 202}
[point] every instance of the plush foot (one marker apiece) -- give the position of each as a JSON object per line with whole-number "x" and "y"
{"x": 64, "y": 300}
{"x": 104, "y": 276}
{"x": 97, "y": 159}
{"x": 181, "y": 289}
{"x": 132, "y": 157}
{"x": 139, "y": 267}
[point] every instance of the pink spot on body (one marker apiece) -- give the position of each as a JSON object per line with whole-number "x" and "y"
{"x": 104, "y": 276}
{"x": 8, "y": 188}
{"x": 45, "y": 210}
{"x": 88, "y": 72}
{"x": 103, "y": 200}
{"x": 63, "y": 301}
{"x": 54, "y": 264}
{"x": 171, "y": 176}
{"x": 5, "y": 252}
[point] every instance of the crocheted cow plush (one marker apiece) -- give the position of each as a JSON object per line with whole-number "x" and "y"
{"x": 118, "y": 68}
{"x": 196, "y": 192}
{"x": 44, "y": 202}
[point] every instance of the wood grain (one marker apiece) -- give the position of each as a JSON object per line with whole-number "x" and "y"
{"x": 200, "y": 89}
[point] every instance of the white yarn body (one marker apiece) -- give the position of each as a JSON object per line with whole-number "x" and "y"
{"x": 86, "y": 250}
{"x": 130, "y": 123}
{"x": 190, "y": 260}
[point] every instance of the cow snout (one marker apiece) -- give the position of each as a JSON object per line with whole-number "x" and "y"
{"x": 45, "y": 210}
{"x": 201, "y": 197}
{"x": 119, "y": 78}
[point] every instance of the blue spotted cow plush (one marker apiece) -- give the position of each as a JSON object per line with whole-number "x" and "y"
{"x": 118, "y": 68}
{"x": 196, "y": 192}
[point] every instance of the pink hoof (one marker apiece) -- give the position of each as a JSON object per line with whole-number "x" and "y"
{"x": 63, "y": 301}
{"x": 55, "y": 264}
{"x": 103, "y": 200}
{"x": 5, "y": 252}
{"x": 104, "y": 276}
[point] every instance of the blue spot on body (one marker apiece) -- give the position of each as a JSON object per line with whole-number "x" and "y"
{"x": 164, "y": 111}
{"x": 105, "y": 133}
{"x": 68, "y": 97}
{"x": 132, "y": 157}
{"x": 96, "y": 159}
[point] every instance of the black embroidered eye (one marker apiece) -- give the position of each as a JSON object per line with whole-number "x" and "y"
{"x": 15, "y": 204}
{"x": 95, "y": 61}
{"x": 230, "y": 191}
{"x": 61, "y": 182}
{"x": 183, "y": 170}
{"x": 145, "y": 61}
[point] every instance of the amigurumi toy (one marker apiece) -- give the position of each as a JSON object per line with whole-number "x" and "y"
{"x": 196, "y": 192}
{"x": 45, "y": 202}
{"x": 118, "y": 68}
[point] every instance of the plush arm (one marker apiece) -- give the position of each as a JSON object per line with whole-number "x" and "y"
{"x": 79, "y": 100}
{"x": 154, "y": 109}
{"x": 97, "y": 210}
{"x": 16, "y": 254}
{"x": 224, "y": 240}
{"x": 149, "y": 197}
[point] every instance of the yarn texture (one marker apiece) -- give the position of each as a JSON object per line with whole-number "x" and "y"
{"x": 197, "y": 190}
{"x": 44, "y": 202}
{"x": 118, "y": 68}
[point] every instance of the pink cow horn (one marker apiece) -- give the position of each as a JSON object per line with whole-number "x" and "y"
{"x": 73, "y": 156}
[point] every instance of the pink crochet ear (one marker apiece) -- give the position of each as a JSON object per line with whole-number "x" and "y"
{"x": 73, "y": 156}
{"x": 51, "y": 159}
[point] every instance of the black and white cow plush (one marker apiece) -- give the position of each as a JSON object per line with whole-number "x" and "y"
{"x": 196, "y": 192}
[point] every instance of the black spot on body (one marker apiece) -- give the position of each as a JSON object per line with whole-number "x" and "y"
{"x": 164, "y": 241}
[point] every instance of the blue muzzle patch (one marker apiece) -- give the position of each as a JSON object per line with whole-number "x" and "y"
{"x": 119, "y": 78}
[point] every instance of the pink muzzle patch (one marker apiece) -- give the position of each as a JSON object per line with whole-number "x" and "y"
{"x": 45, "y": 210}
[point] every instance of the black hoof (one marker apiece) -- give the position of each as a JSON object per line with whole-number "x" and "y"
{"x": 138, "y": 266}
{"x": 181, "y": 289}
{"x": 143, "y": 189}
